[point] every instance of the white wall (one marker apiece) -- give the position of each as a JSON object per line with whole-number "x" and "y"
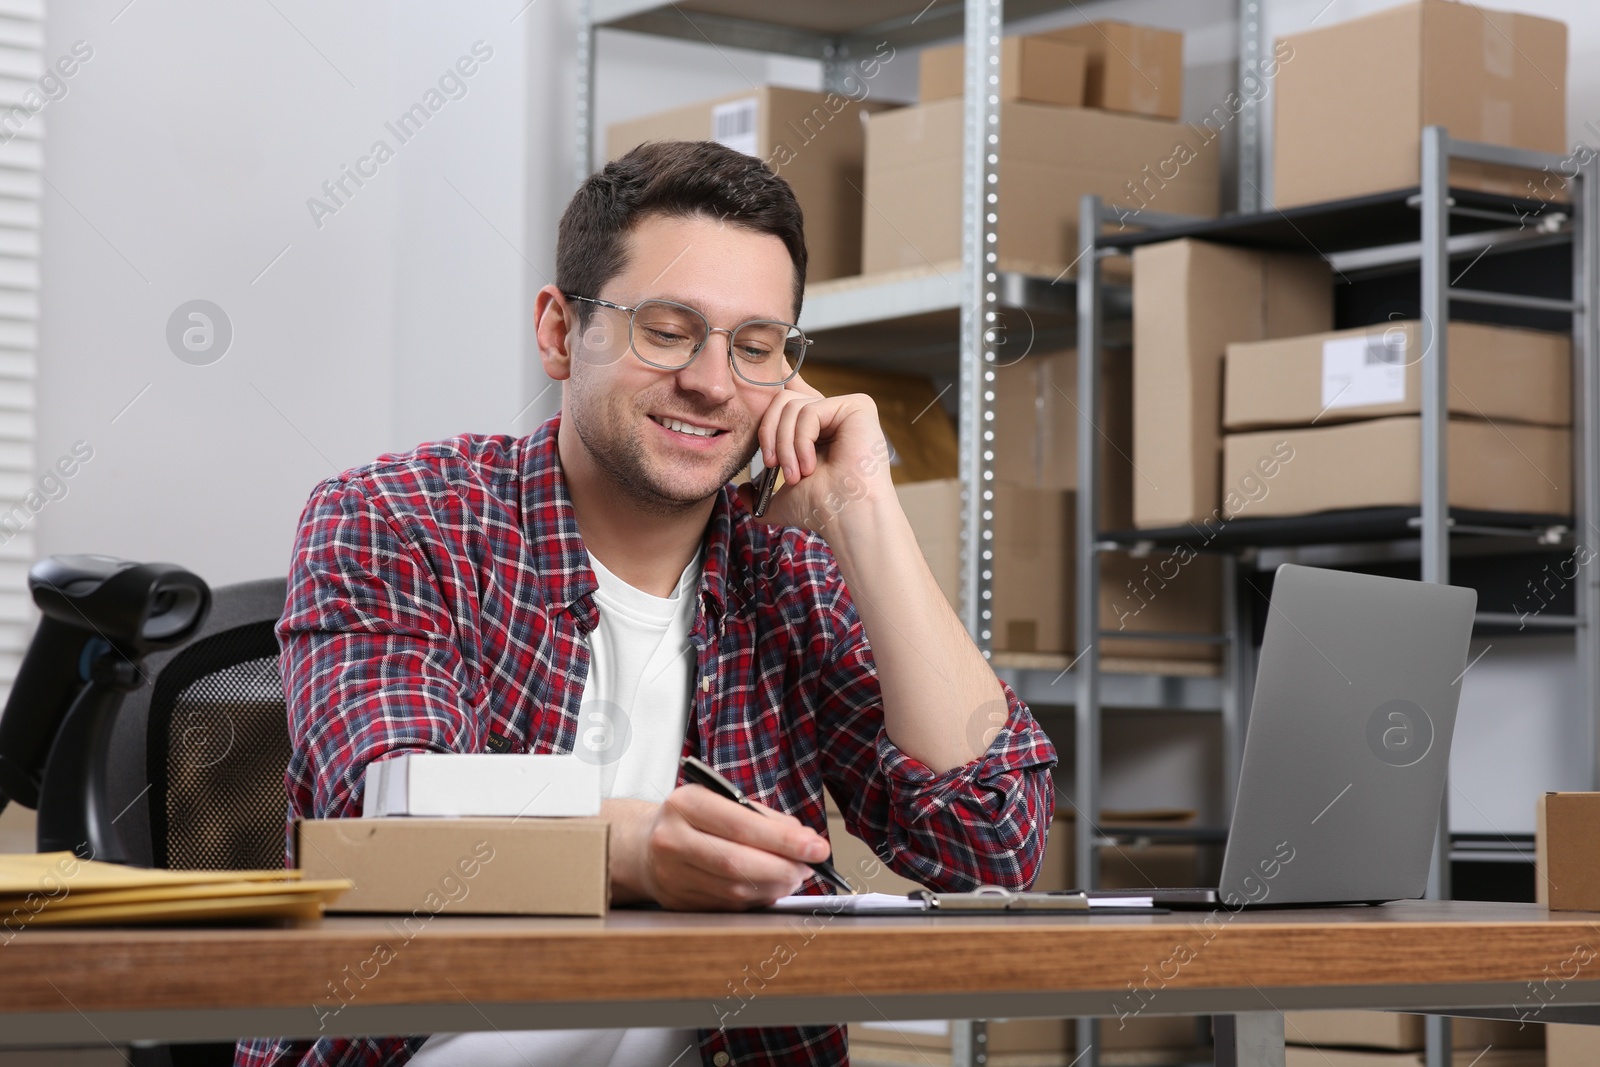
{"x": 179, "y": 167}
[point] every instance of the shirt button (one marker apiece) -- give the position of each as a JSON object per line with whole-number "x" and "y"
{"x": 722, "y": 1059}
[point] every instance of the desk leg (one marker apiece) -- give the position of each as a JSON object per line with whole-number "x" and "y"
{"x": 969, "y": 1043}
{"x": 1250, "y": 1039}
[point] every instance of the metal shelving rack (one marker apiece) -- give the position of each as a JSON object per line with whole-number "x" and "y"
{"x": 972, "y": 301}
{"x": 1435, "y": 227}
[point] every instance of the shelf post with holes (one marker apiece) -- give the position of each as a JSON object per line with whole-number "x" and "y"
{"x": 980, "y": 324}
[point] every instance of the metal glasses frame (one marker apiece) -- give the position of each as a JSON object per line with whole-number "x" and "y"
{"x": 805, "y": 342}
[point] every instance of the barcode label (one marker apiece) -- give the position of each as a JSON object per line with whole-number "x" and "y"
{"x": 734, "y": 124}
{"x": 1362, "y": 371}
{"x": 1386, "y": 348}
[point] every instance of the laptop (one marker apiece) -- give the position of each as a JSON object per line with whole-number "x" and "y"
{"x": 1347, "y": 745}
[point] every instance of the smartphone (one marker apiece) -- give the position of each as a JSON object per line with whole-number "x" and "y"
{"x": 765, "y": 483}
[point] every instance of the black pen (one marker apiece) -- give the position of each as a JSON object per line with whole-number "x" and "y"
{"x": 701, "y": 773}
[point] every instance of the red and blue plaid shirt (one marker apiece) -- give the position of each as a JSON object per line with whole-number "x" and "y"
{"x": 439, "y": 601}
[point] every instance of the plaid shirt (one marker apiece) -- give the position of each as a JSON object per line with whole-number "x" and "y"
{"x": 439, "y": 601}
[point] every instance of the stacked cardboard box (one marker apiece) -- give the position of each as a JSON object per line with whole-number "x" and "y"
{"x": 1033, "y": 577}
{"x": 1035, "y": 463}
{"x": 1352, "y": 99}
{"x": 1190, "y": 300}
{"x": 1305, "y": 1056}
{"x": 921, "y": 435}
{"x": 1395, "y": 1032}
{"x": 1571, "y": 1045}
{"x": 1349, "y": 436}
{"x": 1124, "y": 147}
{"x": 814, "y": 141}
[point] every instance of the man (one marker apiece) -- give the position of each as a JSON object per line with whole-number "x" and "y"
{"x": 491, "y": 593}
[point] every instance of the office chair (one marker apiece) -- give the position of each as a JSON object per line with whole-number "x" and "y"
{"x": 199, "y": 756}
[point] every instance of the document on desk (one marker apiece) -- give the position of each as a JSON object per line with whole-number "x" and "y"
{"x": 987, "y": 901}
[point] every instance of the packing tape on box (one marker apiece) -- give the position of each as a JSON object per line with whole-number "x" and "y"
{"x": 1499, "y": 43}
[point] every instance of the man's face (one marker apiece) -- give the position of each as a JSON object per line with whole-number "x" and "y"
{"x": 619, "y": 404}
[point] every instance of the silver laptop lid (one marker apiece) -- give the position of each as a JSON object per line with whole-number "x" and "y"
{"x": 1348, "y": 740}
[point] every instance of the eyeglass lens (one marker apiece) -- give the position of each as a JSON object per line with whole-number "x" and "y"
{"x": 668, "y": 335}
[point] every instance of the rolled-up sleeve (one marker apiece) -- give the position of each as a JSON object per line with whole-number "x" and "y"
{"x": 983, "y": 823}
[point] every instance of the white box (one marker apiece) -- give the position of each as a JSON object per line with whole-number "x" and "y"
{"x": 481, "y": 784}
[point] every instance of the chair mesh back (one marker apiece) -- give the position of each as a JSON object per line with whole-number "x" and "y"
{"x": 219, "y": 744}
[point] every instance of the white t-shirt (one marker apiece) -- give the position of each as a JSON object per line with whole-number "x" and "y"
{"x": 636, "y": 705}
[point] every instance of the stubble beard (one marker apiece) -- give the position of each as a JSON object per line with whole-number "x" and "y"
{"x": 623, "y": 457}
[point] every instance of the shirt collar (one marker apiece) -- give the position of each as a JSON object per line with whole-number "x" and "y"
{"x": 566, "y": 580}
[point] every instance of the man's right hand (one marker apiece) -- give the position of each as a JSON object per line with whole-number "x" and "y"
{"x": 700, "y": 852}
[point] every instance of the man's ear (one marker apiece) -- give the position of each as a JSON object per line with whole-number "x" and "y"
{"x": 555, "y": 324}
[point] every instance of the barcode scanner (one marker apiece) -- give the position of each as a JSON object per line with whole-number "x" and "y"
{"x": 99, "y": 617}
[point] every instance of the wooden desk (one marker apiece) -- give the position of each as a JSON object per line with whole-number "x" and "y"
{"x": 371, "y": 975}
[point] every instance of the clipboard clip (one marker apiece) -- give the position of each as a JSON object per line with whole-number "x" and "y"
{"x": 990, "y": 898}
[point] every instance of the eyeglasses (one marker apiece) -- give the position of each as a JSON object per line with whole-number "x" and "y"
{"x": 670, "y": 335}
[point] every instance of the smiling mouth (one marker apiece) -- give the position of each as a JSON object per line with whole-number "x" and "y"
{"x": 679, "y": 426}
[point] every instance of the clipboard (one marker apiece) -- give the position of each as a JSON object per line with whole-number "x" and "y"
{"x": 986, "y": 900}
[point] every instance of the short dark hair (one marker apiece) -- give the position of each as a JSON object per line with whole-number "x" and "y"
{"x": 679, "y": 179}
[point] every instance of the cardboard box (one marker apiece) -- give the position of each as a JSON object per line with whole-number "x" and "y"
{"x": 911, "y": 1042}
{"x": 1378, "y": 463}
{"x": 812, "y": 140}
{"x": 1036, "y": 427}
{"x": 1352, "y": 99}
{"x": 1304, "y": 1056}
{"x": 1571, "y": 1046}
{"x": 1035, "y": 69}
{"x": 1496, "y": 372}
{"x": 1033, "y": 605}
{"x": 482, "y": 784}
{"x": 1567, "y": 874}
{"x": 1032, "y": 528}
{"x": 1190, "y": 301}
{"x": 1397, "y": 1031}
{"x": 922, "y": 438}
{"x": 423, "y": 867}
{"x": 1049, "y": 158}
{"x": 1137, "y": 69}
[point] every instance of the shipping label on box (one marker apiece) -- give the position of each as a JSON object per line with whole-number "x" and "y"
{"x": 1357, "y": 371}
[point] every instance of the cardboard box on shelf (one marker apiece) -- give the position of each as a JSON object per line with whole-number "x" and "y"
{"x": 1190, "y": 301}
{"x": 927, "y": 1041}
{"x": 1036, "y": 69}
{"x": 1033, "y": 579}
{"x": 1138, "y": 866}
{"x": 1401, "y": 1032}
{"x": 812, "y": 140}
{"x": 1036, "y": 427}
{"x": 463, "y": 866}
{"x": 1567, "y": 850}
{"x": 1571, "y": 1045}
{"x": 1378, "y": 463}
{"x": 1032, "y": 530}
{"x": 1352, "y": 99}
{"x": 1496, "y": 372}
{"x": 922, "y": 438}
{"x": 1137, "y": 69}
{"x": 1049, "y": 158}
{"x": 1306, "y": 1056}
